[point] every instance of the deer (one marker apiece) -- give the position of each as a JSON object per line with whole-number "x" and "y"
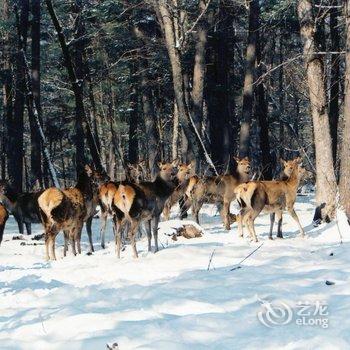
{"x": 143, "y": 202}
{"x": 22, "y": 205}
{"x": 268, "y": 196}
{"x": 288, "y": 166}
{"x": 3, "y": 218}
{"x": 66, "y": 210}
{"x": 135, "y": 173}
{"x": 217, "y": 189}
{"x": 185, "y": 171}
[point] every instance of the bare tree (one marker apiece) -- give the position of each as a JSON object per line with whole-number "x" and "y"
{"x": 326, "y": 182}
{"x": 344, "y": 184}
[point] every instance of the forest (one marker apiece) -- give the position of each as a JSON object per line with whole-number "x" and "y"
{"x": 113, "y": 83}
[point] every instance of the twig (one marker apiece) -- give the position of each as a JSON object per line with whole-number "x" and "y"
{"x": 211, "y": 258}
{"x": 250, "y": 254}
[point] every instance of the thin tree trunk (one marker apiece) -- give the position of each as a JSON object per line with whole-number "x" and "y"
{"x": 175, "y": 140}
{"x": 326, "y": 181}
{"x": 15, "y": 166}
{"x": 334, "y": 88}
{"x": 166, "y": 18}
{"x": 344, "y": 183}
{"x": 247, "y": 106}
{"x": 133, "y": 120}
{"x": 35, "y": 154}
{"x": 7, "y": 94}
{"x": 262, "y": 114}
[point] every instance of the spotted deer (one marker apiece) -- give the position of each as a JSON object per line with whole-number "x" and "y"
{"x": 268, "y": 196}
{"x": 217, "y": 189}
{"x": 3, "y": 218}
{"x": 185, "y": 171}
{"x": 143, "y": 202}
{"x": 136, "y": 173}
{"x": 67, "y": 210}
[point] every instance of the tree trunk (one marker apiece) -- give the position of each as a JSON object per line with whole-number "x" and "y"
{"x": 334, "y": 88}
{"x": 175, "y": 139}
{"x": 133, "y": 119}
{"x": 261, "y": 111}
{"x": 151, "y": 132}
{"x": 344, "y": 183}
{"x": 326, "y": 181}
{"x": 7, "y": 94}
{"x": 247, "y": 105}
{"x": 35, "y": 154}
{"x": 77, "y": 88}
{"x": 166, "y": 19}
{"x": 16, "y": 127}
{"x": 217, "y": 93}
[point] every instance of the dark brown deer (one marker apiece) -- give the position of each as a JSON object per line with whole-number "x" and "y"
{"x": 67, "y": 210}
{"x": 135, "y": 203}
{"x": 218, "y": 190}
{"x": 185, "y": 171}
{"x": 3, "y": 218}
{"x": 23, "y": 206}
{"x": 268, "y": 196}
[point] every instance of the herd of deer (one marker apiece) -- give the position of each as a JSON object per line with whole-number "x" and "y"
{"x": 131, "y": 203}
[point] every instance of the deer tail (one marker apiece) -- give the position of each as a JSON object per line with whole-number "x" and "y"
{"x": 50, "y": 199}
{"x": 124, "y": 198}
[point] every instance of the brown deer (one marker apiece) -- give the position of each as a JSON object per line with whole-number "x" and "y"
{"x": 3, "y": 218}
{"x": 288, "y": 166}
{"x": 217, "y": 189}
{"x": 185, "y": 171}
{"x": 135, "y": 203}
{"x": 268, "y": 196}
{"x": 67, "y": 210}
{"x": 135, "y": 173}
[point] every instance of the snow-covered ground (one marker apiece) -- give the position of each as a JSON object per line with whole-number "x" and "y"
{"x": 170, "y": 300}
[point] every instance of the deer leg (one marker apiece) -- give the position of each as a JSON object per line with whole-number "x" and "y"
{"x": 104, "y": 216}
{"x": 65, "y": 249}
{"x": 132, "y": 233}
{"x": 166, "y": 211}
{"x": 185, "y": 205}
{"x": 52, "y": 247}
{"x": 20, "y": 225}
{"x": 225, "y": 215}
{"x": 279, "y": 224}
{"x": 89, "y": 232}
{"x": 155, "y": 232}
{"x": 28, "y": 228}
{"x": 118, "y": 224}
{"x": 149, "y": 234}
{"x": 47, "y": 242}
{"x": 272, "y": 221}
{"x": 72, "y": 242}
{"x": 251, "y": 228}
{"x": 294, "y": 215}
{"x": 77, "y": 235}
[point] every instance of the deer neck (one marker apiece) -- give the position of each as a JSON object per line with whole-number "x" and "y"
{"x": 85, "y": 186}
{"x": 243, "y": 177}
{"x": 7, "y": 203}
{"x": 293, "y": 180}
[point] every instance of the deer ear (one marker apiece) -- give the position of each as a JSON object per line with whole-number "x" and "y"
{"x": 142, "y": 162}
{"x": 189, "y": 166}
{"x": 175, "y": 162}
{"x": 160, "y": 164}
{"x": 298, "y": 160}
{"x": 282, "y": 161}
{"x": 236, "y": 159}
{"x": 88, "y": 170}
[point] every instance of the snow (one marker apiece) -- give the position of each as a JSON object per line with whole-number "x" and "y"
{"x": 169, "y": 300}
